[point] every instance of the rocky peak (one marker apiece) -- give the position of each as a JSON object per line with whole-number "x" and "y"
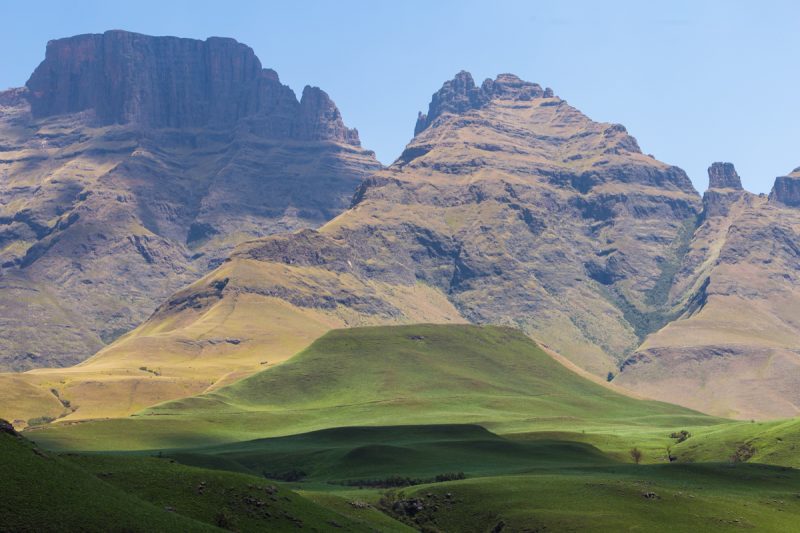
{"x": 460, "y": 95}
{"x": 786, "y": 190}
{"x": 724, "y": 189}
{"x": 13, "y": 97}
{"x": 320, "y": 119}
{"x": 120, "y": 77}
{"x": 723, "y": 176}
{"x": 509, "y": 86}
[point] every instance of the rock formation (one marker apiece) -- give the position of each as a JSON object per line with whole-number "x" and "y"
{"x": 724, "y": 189}
{"x": 786, "y": 190}
{"x": 130, "y": 165}
{"x": 723, "y": 176}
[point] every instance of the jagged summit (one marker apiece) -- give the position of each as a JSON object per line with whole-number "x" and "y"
{"x": 723, "y": 176}
{"x": 461, "y": 94}
{"x": 786, "y": 190}
{"x": 119, "y": 77}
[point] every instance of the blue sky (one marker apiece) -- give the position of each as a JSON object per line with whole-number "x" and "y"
{"x": 694, "y": 82}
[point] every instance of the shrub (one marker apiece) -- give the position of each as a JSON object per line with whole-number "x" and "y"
{"x": 681, "y": 435}
{"x": 40, "y": 420}
{"x": 290, "y": 475}
{"x": 636, "y": 455}
{"x": 743, "y": 453}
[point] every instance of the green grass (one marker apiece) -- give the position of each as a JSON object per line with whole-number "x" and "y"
{"x": 776, "y": 442}
{"x": 424, "y": 374}
{"x": 687, "y": 498}
{"x": 42, "y": 491}
{"x": 543, "y": 449}
{"x": 375, "y": 453}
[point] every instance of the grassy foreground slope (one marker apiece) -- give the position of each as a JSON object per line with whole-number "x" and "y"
{"x": 42, "y": 491}
{"x": 495, "y": 377}
{"x": 653, "y": 498}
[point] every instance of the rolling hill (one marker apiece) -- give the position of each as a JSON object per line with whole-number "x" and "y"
{"x": 495, "y": 377}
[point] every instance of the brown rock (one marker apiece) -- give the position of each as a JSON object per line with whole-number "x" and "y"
{"x": 786, "y": 190}
{"x": 723, "y": 176}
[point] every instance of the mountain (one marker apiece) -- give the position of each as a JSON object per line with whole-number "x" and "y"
{"x": 131, "y": 165}
{"x": 734, "y": 351}
{"x": 509, "y": 206}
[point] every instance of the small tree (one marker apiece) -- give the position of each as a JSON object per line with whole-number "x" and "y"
{"x": 636, "y": 455}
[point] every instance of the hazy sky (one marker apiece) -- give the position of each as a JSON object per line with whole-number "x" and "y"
{"x": 693, "y": 81}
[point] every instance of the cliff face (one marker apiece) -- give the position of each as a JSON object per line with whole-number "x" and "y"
{"x": 733, "y": 352}
{"x": 786, "y": 190}
{"x": 169, "y": 82}
{"x": 130, "y": 165}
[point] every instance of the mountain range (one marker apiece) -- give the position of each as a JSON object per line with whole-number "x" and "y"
{"x": 177, "y": 185}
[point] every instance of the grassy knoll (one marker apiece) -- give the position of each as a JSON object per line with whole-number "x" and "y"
{"x": 423, "y": 374}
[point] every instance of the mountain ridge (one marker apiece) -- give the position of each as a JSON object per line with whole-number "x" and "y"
{"x": 132, "y": 165}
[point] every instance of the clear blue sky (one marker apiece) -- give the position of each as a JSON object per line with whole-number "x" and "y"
{"x": 694, "y": 81}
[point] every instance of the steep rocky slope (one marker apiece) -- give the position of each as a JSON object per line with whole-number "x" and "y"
{"x": 130, "y": 165}
{"x": 735, "y": 351}
{"x": 518, "y": 208}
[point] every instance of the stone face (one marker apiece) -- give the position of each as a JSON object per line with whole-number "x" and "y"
{"x": 131, "y": 165}
{"x": 786, "y": 190}
{"x": 723, "y": 176}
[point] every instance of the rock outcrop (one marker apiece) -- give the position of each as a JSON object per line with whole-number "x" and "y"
{"x": 130, "y": 165}
{"x": 723, "y": 176}
{"x": 786, "y": 190}
{"x": 724, "y": 189}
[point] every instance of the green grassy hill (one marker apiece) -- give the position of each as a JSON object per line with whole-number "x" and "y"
{"x": 495, "y": 377}
{"x": 541, "y": 448}
{"x": 776, "y": 442}
{"x": 653, "y": 498}
{"x": 43, "y": 491}
{"x": 355, "y": 454}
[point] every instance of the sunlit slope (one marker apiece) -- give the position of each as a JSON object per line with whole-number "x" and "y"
{"x": 224, "y": 327}
{"x": 421, "y": 374}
